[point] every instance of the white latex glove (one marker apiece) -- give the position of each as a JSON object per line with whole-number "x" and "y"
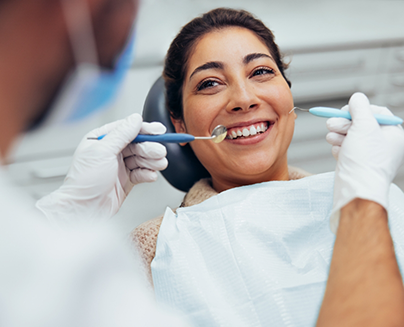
{"x": 368, "y": 155}
{"x": 103, "y": 172}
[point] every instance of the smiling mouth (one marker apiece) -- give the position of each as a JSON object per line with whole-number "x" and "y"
{"x": 247, "y": 131}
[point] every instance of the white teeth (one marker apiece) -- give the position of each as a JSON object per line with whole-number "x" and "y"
{"x": 253, "y": 131}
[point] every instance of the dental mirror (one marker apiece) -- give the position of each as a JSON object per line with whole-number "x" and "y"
{"x": 219, "y": 133}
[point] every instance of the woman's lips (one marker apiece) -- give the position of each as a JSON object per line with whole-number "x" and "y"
{"x": 250, "y": 134}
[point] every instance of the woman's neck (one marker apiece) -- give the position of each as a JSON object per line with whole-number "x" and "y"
{"x": 279, "y": 171}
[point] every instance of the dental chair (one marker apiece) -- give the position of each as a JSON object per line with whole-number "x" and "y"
{"x": 184, "y": 169}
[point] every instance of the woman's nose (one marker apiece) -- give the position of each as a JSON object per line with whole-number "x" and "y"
{"x": 242, "y": 98}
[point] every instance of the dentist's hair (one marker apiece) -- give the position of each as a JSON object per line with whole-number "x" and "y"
{"x": 176, "y": 60}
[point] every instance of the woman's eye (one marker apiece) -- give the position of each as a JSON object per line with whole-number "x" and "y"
{"x": 207, "y": 84}
{"x": 262, "y": 71}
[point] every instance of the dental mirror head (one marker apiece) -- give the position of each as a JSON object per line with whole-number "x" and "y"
{"x": 219, "y": 133}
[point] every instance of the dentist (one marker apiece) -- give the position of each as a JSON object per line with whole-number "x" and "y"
{"x": 60, "y": 60}
{"x": 364, "y": 287}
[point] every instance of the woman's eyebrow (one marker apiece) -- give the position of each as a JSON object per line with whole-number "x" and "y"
{"x": 208, "y": 65}
{"x": 252, "y": 56}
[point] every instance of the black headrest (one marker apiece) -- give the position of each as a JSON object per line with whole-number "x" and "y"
{"x": 184, "y": 169}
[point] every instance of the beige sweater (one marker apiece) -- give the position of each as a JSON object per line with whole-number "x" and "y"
{"x": 145, "y": 235}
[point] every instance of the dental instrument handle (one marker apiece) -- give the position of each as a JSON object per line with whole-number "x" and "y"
{"x": 332, "y": 112}
{"x": 161, "y": 138}
{"x": 165, "y": 138}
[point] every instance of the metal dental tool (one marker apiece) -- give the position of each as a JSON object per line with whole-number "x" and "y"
{"x": 332, "y": 112}
{"x": 218, "y": 135}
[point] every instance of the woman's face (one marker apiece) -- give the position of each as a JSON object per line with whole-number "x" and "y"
{"x": 232, "y": 80}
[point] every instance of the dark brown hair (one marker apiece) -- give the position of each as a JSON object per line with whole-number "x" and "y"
{"x": 175, "y": 65}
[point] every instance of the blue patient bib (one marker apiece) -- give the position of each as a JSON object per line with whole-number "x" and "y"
{"x": 256, "y": 255}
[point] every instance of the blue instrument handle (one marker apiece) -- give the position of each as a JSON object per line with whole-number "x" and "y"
{"x": 332, "y": 112}
{"x": 161, "y": 138}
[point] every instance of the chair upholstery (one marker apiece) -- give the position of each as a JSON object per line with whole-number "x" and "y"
{"x": 184, "y": 169}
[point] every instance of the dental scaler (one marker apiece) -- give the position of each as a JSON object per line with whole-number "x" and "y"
{"x": 332, "y": 112}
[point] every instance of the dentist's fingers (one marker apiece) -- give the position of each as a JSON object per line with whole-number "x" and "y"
{"x": 381, "y": 110}
{"x": 360, "y": 110}
{"x": 338, "y": 128}
{"x": 145, "y": 128}
{"x": 152, "y": 150}
{"x": 142, "y": 175}
{"x": 123, "y": 134}
{"x": 338, "y": 125}
{"x": 335, "y": 151}
{"x": 153, "y": 128}
{"x": 134, "y": 162}
{"x": 335, "y": 138}
{"x": 341, "y": 125}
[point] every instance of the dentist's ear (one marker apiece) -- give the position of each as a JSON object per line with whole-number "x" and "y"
{"x": 179, "y": 127}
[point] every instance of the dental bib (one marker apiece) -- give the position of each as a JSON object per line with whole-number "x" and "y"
{"x": 257, "y": 255}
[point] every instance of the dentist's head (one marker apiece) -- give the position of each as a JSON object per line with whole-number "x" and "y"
{"x": 59, "y": 54}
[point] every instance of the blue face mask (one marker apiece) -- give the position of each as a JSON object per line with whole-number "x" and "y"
{"x": 101, "y": 86}
{"x": 89, "y": 88}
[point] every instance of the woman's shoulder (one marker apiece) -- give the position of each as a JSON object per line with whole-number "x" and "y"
{"x": 297, "y": 173}
{"x": 201, "y": 191}
{"x": 145, "y": 239}
{"x": 145, "y": 235}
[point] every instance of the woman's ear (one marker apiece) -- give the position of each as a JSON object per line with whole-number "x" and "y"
{"x": 179, "y": 127}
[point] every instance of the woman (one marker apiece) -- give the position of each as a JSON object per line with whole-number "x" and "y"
{"x": 225, "y": 68}
{"x": 248, "y": 93}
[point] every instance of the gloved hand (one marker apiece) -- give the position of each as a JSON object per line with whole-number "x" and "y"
{"x": 104, "y": 171}
{"x": 368, "y": 155}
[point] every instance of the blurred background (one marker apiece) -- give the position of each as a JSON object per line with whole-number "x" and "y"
{"x": 335, "y": 48}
